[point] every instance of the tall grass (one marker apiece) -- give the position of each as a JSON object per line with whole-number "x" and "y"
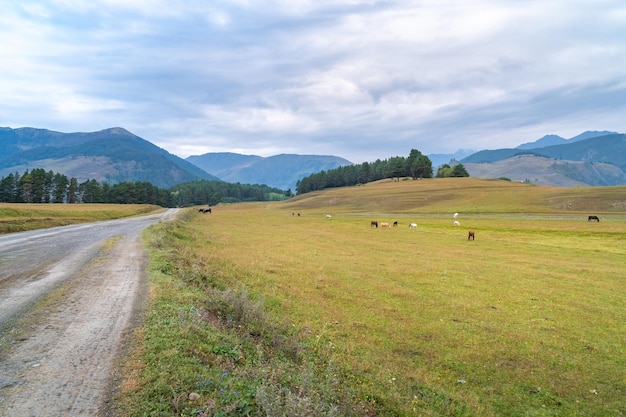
{"x": 22, "y": 217}
{"x": 528, "y": 319}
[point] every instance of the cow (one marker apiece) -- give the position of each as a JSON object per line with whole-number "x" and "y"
{"x": 594, "y": 218}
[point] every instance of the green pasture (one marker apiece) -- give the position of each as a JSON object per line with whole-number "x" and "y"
{"x": 528, "y": 319}
{"x": 17, "y": 217}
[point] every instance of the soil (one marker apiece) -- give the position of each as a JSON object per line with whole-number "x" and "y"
{"x": 69, "y": 299}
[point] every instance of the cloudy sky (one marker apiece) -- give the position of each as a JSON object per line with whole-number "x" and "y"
{"x": 360, "y": 79}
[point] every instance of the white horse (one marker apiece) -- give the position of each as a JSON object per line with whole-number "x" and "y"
{"x": 328, "y": 217}
{"x": 457, "y": 223}
{"x": 412, "y": 226}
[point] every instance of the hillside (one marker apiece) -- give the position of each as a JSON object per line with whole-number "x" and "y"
{"x": 111, "y": 155}
{"x": 550, "y": 140}
{"x": 540, "y": 170}
{"x": 464, "y": 195}
{"x": 280, "y": 171}
{"x": 583, "y": 160}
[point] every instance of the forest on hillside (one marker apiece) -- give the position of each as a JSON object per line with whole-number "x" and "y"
{"x": 416, "y": 165}
{"x": 41, "y": 186}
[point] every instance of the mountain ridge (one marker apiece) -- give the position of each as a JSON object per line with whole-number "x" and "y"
{"x": 281, "y": 171}
{"x": 120, "y": 155}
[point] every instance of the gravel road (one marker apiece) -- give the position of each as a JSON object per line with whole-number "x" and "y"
{"x": 68, "y": 296}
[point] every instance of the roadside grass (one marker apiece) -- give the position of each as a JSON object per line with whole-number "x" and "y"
{"x": 528, "y": 319}
{"x": 22, "y": 217}
{"x": 206, "y": 349}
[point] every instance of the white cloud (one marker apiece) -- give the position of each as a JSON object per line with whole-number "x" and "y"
{"x": 360, "y": 79}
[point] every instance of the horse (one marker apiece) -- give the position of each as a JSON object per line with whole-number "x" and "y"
{"x": 395, "y": 224}
{"x": 457, "y": 223}
{"x": 412, "y": 226}
{"x": 596, "y": 218}
{"x": 384, "y": 225}
{"x": 328, "y": 217}
{"x": 374, "y": 223}
{"x": 471, "y": 235}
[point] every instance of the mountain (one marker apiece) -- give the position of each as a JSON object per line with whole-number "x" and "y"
{"x": 111, "y": 155}
{"x": 542, "y": 170}
{"x": 586, "y": 159}
{"x": 547, "y": 140}
{"x": 439, "y": 159}
{"x": 281, "y": 171}
{"x": 550, "y": 140}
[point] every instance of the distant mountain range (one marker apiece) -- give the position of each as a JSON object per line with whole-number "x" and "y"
{"x": 280, "y": 171}
{"x": 116, "y": 155}
{"x": 111, "y": 155}
{"x": 592, "y": 158}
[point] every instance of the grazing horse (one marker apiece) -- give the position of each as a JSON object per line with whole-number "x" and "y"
{"x": 596, "y": 218}
{"x": 203, "y": 210}
{"x": 384, "y": 225}
{"x": 374, "y": 223}
{"x": 457, "y": 223}
{"x": 412, "y": 226}
{"x": 328, "y": 217}
{"x": 471, "y": 235}
{"x": 395, "y": 224}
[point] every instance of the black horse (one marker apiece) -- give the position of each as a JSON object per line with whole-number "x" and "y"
{"x": 594, "y": 218}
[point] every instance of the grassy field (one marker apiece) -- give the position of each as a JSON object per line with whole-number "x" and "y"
{"x": 22, "y": 217}
{"x": 527, "y": 320}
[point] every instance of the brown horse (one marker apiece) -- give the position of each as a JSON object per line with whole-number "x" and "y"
{"x": 471, "y": 235}
{"x": 374, "y": 223}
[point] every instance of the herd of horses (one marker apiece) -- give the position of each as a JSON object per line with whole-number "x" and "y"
{"x": 384, "y": 225}
{"x": 471, "y": 235}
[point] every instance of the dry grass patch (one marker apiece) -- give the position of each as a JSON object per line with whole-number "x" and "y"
{"x": 527, "y": 319}
{"x": 22, "y": 217}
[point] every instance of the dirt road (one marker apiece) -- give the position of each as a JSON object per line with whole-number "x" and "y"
{"x": 68, "y": 297}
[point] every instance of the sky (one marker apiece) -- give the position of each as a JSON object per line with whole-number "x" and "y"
{"x": 359, "y": 79}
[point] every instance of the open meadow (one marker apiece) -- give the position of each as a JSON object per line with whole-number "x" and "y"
{"x": 528, "y": 319}
{"x": 19, "y": 217}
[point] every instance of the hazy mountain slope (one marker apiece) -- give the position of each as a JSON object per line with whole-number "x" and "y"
{"x": 112, "y": 155}
{"x": 609, "y": 148}
{"x": 222, "y": 164}
{"x": 548, "y": 171}
{"x": 280, "y": 171}
{"x": 547, "y": 140}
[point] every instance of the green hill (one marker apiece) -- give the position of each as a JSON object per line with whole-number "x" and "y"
{"x": 112, "y": 155}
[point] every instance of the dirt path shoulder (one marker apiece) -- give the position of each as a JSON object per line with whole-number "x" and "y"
{"x": 58, "y": 358}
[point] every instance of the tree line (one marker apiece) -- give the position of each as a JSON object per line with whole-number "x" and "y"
{"x": 416, "y": 165}
{"x": 41, "y": 186}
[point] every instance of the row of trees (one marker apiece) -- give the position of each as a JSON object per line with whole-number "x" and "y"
{"x": 40, "y": 186}
{"x": 416, "y": 165}
{"x": 213, "y": 192}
